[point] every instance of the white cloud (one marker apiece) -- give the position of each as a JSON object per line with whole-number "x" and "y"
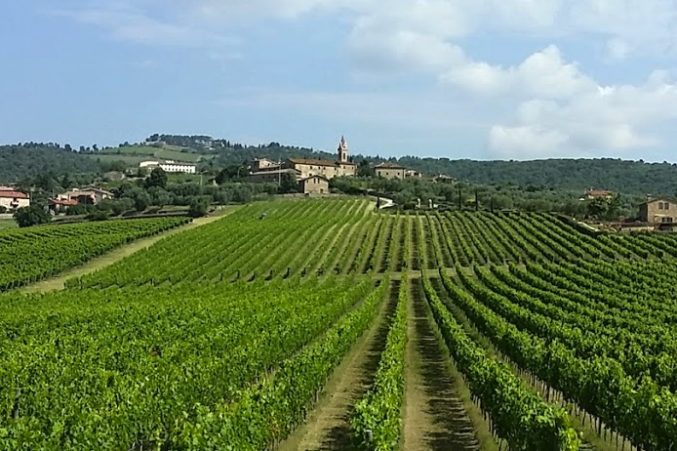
{"x": 526, "y": 141}
{"x": 558, "y": 107}
{"x": 401, "y": 50}
{"x": 128, "y": 24}
{"x": 610, "y": 119}
{"x": 543, "y": 74}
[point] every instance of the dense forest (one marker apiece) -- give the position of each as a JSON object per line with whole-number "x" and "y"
{"x": 631, "y": 177}
{"x": 29, "y": 160}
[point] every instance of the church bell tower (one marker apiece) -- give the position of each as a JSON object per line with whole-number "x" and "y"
{"x": 343, "y": 150}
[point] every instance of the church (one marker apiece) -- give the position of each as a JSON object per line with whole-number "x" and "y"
{"x": 342, "y": 167}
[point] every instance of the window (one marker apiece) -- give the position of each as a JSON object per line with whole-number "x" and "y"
{"x": 667, "y": 205}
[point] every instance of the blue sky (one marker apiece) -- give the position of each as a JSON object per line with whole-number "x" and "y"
{"x": 482, "y": 79}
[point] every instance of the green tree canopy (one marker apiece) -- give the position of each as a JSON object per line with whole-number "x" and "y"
{"x": 30, "y": 216}
{"x": 157, "y": 178}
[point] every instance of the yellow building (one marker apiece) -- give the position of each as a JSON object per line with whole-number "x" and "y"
{"x": 658, "y": 211}
{"x": 390, "y": 171}
{"x": 326, "y": 168}
{"x": 316, "y": 184}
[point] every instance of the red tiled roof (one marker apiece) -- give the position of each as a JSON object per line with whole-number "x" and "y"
{"x": 314, "y": 162}
{"x": 64, "y": 202}
{"x": 389, "y": 165}
{"x": 13, "y": 194}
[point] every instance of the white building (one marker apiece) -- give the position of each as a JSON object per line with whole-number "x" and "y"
{"x": 87, "y": 196}
{"x": 11, "y": 200}
{"x": 170, "y": 166}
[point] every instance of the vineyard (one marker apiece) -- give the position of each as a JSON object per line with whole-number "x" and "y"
{"x": 322, "y": 324}
{"x": 29, "y": 255}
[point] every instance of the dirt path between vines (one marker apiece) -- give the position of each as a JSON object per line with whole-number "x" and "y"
{"x": 57, "y": 282}
{"x": 434, "y": 417}
{"x": 328, "y": 425}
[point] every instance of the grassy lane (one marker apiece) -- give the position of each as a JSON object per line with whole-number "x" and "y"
{"x": 57, "y": 283}
{"x": 328, "y": 427}
{"x": 435, "y": 415}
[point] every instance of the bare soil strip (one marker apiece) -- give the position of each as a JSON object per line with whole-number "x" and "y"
{"x": 328, "y": 425}
{"x": 435, "y": 417}
{"x": 57, "y": 282}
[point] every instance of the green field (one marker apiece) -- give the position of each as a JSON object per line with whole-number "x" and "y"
{"x": 322, "y": 324}
{"x": 7, "y": 224}
{"x": 133, "y": 155}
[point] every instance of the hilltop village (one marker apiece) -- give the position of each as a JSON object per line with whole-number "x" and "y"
{"x": 191, "y": 175}
{"x": 313, "y": 175}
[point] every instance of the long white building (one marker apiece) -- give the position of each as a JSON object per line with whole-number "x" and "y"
{"x": 170, "y": 166}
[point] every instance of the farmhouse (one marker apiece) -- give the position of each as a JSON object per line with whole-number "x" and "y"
{"x": 315, "y": 184}
{"x": 11, "y": 200}
{"x": 592, "y": 194}
{"x": 87, "y": 196}
{"x": 264, "y": 164}
{"x": 389, "y": 170}
{"x": 61, "y": 205}
{"x": 659, "y": 211}
{"x": 170, "y": 166}
{"x": 326, "y": 168}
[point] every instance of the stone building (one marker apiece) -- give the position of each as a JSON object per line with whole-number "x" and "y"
{"x": 659, "y": 211}
{"x": 272, "y": 176}
{"x": 11, "y": 199}
{"x": 315, "y": 184}
{"x": 342, "y": 167}
{"x": 390, "y": 171}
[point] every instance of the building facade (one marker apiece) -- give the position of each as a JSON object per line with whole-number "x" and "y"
{"x": 11, "y": 200}
{"x": 390, "y": 171}
{"x": 342, "y": 167}
{"x": 86, "y": 196}
{"x": 175, "y": 167}
{"x": 272, "y": 176}
{"x": 315, "y": 184}
{"x": 658, "y": 211}
{"x": 264, "y": 164}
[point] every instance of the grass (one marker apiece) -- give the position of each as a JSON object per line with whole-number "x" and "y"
{"x": 173, "y": 153}
{"x": 132, "y": 160}
{"x": 7, "y": 224}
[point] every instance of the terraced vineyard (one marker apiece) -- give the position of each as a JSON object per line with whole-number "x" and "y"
{"x": 322, "y": 324}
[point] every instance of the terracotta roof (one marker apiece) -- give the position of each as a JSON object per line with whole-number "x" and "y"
{"x": 314, "y": 162}
{"x": 388, "y": 165}
{"x": 64, "y": 202}
{"x": 598, "y": 193}
{"x": 659, "y": 199}
{"x": 13, "y": 194}
{"x": 276, "y": 171}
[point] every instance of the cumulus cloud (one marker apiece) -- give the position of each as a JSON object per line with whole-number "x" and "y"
{"x": 611, "y": 118}
{"x": 543, "y": 74}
